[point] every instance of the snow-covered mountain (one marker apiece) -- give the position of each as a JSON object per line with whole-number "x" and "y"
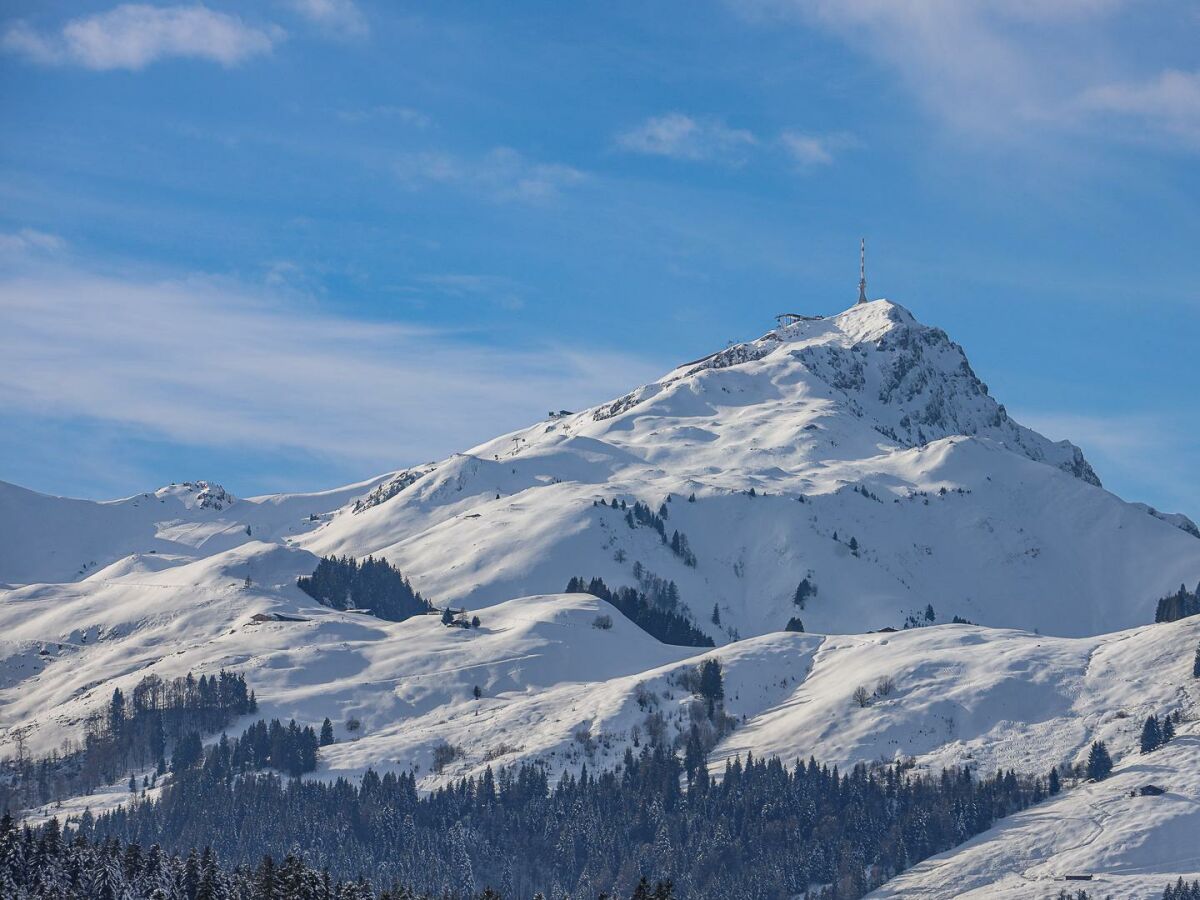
{"x": 858, "y": 452}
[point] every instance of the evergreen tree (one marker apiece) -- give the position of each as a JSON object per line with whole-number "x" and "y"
{"x": 716, "y": 614}
{"x": 804, "y": 590}
{"x": 1151, "y": 734}
{"x": 1196, "y": 663}
{"x": 326, "y": 733}
{"x": 1052, "y": 782}
{"x": 1099, "y": 764}
{"x": 794, "y": 624}
{"x": 712, "y": 686}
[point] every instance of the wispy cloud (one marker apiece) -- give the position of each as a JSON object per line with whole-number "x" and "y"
{"x": 205, "y": 362}
{"x": 814, "y": 149}
{"x": 679, "y": 136}
{"x": 502, "y": 174}
{"x": 134, "y": 35}
{"x": 683, "y": 137}
{"x": 338, "y": 18}
{"x": 25, "y": 242}
{"x": 1009, "y": 70}
{"x": 1166, "y": 105}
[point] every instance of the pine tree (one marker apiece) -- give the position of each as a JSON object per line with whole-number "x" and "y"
{"x": 1099, "y": 764}
{"x": 1052, "y": 783}
{"x": 712, "y": 686}
{"x": 326, "y": 733}
{"x": 1151, "y": 734}
{"x": 804, "y": 590}
{"x": 1196, "y": 661}
{"x": 794, "y": 624}
{"x": 464, "y": 875}
{"x": 716, "y": 614}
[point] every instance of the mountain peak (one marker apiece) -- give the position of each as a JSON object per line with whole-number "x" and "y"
{"x": 197, "y": 494}
{"x": 862, "y": 322}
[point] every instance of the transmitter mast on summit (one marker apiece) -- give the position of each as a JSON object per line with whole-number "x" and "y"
{"x": 862, "y": 271}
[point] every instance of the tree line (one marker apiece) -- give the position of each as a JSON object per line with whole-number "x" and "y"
{"x": 1178, "y": 605}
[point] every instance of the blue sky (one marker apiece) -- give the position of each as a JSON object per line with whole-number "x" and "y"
{"x": 286, "y": 245}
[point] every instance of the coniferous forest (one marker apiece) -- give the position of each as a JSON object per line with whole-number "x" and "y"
{"x": 762, "y": 831}
{"x": 372, "y": 585}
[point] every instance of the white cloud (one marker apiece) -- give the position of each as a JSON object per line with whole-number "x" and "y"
{"x": 1169, "y": 103}
{"x": 27, "y": 242}
{"x": 339, "y": 18}
{"x": 502, "y": 174}
{"x": 204, "y": 362}
{"x": 134, "y": 35}
{"x": 679, "y": 136}
{"x": 813, "y": 149}
{"x": 996, "y": 68}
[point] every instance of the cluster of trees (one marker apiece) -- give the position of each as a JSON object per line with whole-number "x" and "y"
{"x": 373, "y": 585}
{"x": 805, "y": 591}
{"x": 1156, "y": 731}
{"x": 764, "y": 830}
{"x": 660, "y": 591}
{"x": 1181, "y": 890}
{"x": 288, "y": 748}
{"x": 133, "y": 732}
{"x": 640, "y": 514}
{"x": 928, "y": 617}
{"x": 1178, "y": 605}
{"x": 667, "y": 625}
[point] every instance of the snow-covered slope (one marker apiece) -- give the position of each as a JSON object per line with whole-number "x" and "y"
{"x": 57, "y": 539}
{"x": 1130, "y": 845}
{"x": 557, "y": 688}
{"x": 865, "y": 425}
